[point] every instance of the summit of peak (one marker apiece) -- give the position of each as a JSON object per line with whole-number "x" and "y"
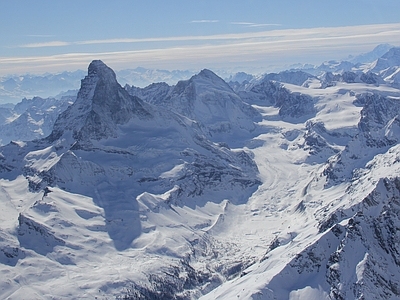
{"x": 96, "y": 63}
{"x": 99, "y": 68}
{"x": 206, "y": 73}
{"x": 207, "y": 76}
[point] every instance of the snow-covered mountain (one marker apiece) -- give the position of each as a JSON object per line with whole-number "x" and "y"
{"x": 134, "y": 164}
{"x": 275, "y": 191}
{"x": 371, "y": 56}
{"x": 209, "y": 100}
{"x": 31, "y": 118}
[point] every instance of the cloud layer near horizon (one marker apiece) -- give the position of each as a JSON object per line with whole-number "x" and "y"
{"x": 246, "y": 50}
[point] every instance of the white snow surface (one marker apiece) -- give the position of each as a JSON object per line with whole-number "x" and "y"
{"x": 155, "y": 204}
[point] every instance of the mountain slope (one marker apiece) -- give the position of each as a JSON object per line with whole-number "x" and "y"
{"x": 150, "y": 181}
{"x": 143, "y": 199}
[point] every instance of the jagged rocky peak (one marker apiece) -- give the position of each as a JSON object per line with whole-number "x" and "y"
{"x": 99, "y": 75}
{"x": 101, "y": 104}
{"x": 109, "y": 97}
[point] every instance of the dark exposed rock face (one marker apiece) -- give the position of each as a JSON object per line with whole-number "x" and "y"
{"x": 369, "y": 231}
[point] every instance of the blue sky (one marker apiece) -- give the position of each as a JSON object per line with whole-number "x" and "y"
{"x": 51, "y": 36}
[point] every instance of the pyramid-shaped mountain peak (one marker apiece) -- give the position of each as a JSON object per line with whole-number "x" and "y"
{"x": 101, "y": 70}
{"x": 210, "y": 76}
{"x": 207, "y": 73}
{"x": 101, "y": 104}
{"x": 100, "y": 78}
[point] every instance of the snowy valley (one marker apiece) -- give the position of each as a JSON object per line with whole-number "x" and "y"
{"x": 281, "y": 186}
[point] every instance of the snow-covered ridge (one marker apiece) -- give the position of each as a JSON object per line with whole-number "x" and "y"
{"x": 31, "y": 118}
{"x": 135, "y": 193}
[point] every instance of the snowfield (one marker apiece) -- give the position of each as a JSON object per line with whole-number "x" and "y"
{"x": 272, "y": 191}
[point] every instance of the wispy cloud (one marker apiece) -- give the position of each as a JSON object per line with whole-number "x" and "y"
{"x": 149, "y": 40}
{"x": 204, "y": 21}
{"x": 250, "y": 24}
{"x": 242, "y": 23}
{"x": 245, "y": 49}
{"x": 281, "y": 36}
{"x": 46, "y": 44}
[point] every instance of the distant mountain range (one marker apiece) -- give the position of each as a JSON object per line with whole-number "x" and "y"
{"x": 14, "y": 88}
